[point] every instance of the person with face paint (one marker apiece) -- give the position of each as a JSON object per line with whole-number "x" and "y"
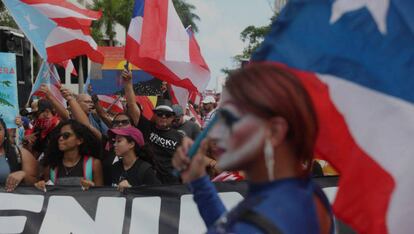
{"x": 265, "y": 126}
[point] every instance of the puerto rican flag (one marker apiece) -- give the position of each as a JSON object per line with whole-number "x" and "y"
{"x": 195, "y": 98}
{"x": 111, "y": 101}
{"x": 158, "y": 43}
{"x": 48, "y": 75}
{"x": 68, "y": 65}
{"x": 58, "y": 29}
{"x": 359, "y": 55}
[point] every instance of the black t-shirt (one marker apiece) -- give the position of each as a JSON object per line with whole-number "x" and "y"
{"x": 141, "y": 173}
{"x": 189, "y": 129}
{"x": 107, "y": 161}
{"x": 163, "y": 144}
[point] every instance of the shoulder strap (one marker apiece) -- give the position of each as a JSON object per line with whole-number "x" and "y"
{"x": 321, "y": 195}
{"x": 88, "y": 168}
{"x": 260, "y": 221}
{"x": 18, "y": 154}
{"x": 53, "y": 172}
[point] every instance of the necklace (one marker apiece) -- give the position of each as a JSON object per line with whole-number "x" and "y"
{"x": 68, "y": 170}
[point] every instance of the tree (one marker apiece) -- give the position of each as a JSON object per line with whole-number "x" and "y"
{"x": 186, "y": 13}
{"x": 253, "y": 36}
{"x": 5, "y": 17}
{"x": 120, "y": 11}
{"x": 110, "y": 9}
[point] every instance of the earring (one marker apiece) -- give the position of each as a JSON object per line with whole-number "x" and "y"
{"x": 269, "y": 158}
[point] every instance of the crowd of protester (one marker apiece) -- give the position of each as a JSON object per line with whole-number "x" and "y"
{"x": 79, "y": 143}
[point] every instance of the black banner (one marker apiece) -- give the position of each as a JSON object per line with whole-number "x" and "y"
{"x": 149, "y": 209}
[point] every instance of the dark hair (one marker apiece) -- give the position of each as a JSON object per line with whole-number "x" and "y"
{"x": 145, "y": 153}
{"x": 274, "y": 91}
{"x": 90, "y": 146}
{"x": 11, "y": 155}
{"x": 124, "y": 114}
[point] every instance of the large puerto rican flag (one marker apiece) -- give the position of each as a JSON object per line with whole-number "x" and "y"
{"x": 158, "y": 43}
{"x": 59, "y": 30}
{"x": 361, "y": 56}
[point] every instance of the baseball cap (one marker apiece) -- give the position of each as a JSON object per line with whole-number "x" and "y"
{"x": 164, "y": 105}
{"x": 178, "y": 110}
{"x": 134, "y": 133}
{"x": 209, "y": 99}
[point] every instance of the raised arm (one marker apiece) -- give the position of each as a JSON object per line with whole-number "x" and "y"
{"x": 101, "y": 112}
{"x": 59, "y": 108}
{"x": 133, "y": 109}
{"x": 77, "y": 112}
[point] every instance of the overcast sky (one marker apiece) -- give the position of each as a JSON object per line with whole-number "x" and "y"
{"x": 221, "y": 24}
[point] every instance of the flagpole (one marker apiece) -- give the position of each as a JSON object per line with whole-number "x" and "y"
{"x": 31, "y": 62}
{"x": 113, "y": 103}
{"x": 81, "y": 80}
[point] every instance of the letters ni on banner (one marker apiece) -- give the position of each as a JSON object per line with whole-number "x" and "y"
{"x": 154, "y": 209}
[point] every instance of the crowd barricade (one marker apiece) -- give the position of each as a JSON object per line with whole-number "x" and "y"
{"x": 148, "y": 209}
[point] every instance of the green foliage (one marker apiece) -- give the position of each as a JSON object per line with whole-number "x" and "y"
{"x": 110, "y": 9}
{"x": 5, "y": 18}
{"x": 253, "y": 36}
{"x": 186, "y": 13}
{"x": 120, "y": 11}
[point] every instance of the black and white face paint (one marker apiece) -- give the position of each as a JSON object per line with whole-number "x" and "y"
{"x": 239, "y": 137}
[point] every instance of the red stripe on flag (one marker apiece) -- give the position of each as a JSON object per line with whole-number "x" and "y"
{"x": 365, "y": 188}
{"x": 154, "y": 38}
{"x": 74, "y": 23}
{"x": 65, "y": 4}
{"x": 195, "y": 115}
{"x": 195, "y": 53}
{"x": 112, "y": 101}
{"x": 155, "y": 67}
{"x": 71, "y": 49}
{"x": 146, "y": 105}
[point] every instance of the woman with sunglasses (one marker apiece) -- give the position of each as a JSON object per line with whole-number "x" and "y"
{"x": 266, "y": 127}
{"x": 121, "y": 120}
{"x": 17, "y": 165}
{"x": 135, "y": 167}
{"x": 72, "y": 157}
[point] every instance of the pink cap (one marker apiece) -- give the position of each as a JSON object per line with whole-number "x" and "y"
{"x": 134, "y": 133}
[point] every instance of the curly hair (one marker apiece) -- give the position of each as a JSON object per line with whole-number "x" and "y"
{"x": 90, "y": 146}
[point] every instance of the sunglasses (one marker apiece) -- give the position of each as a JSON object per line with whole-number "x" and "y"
{"x": 65, "y": 135}
{"x": 123, "y": 122}
{"x": 164, "y": 113}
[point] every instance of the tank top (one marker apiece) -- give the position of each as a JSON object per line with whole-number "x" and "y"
{"x": 4, "y": 169}
{"x": 72, "y": 176}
